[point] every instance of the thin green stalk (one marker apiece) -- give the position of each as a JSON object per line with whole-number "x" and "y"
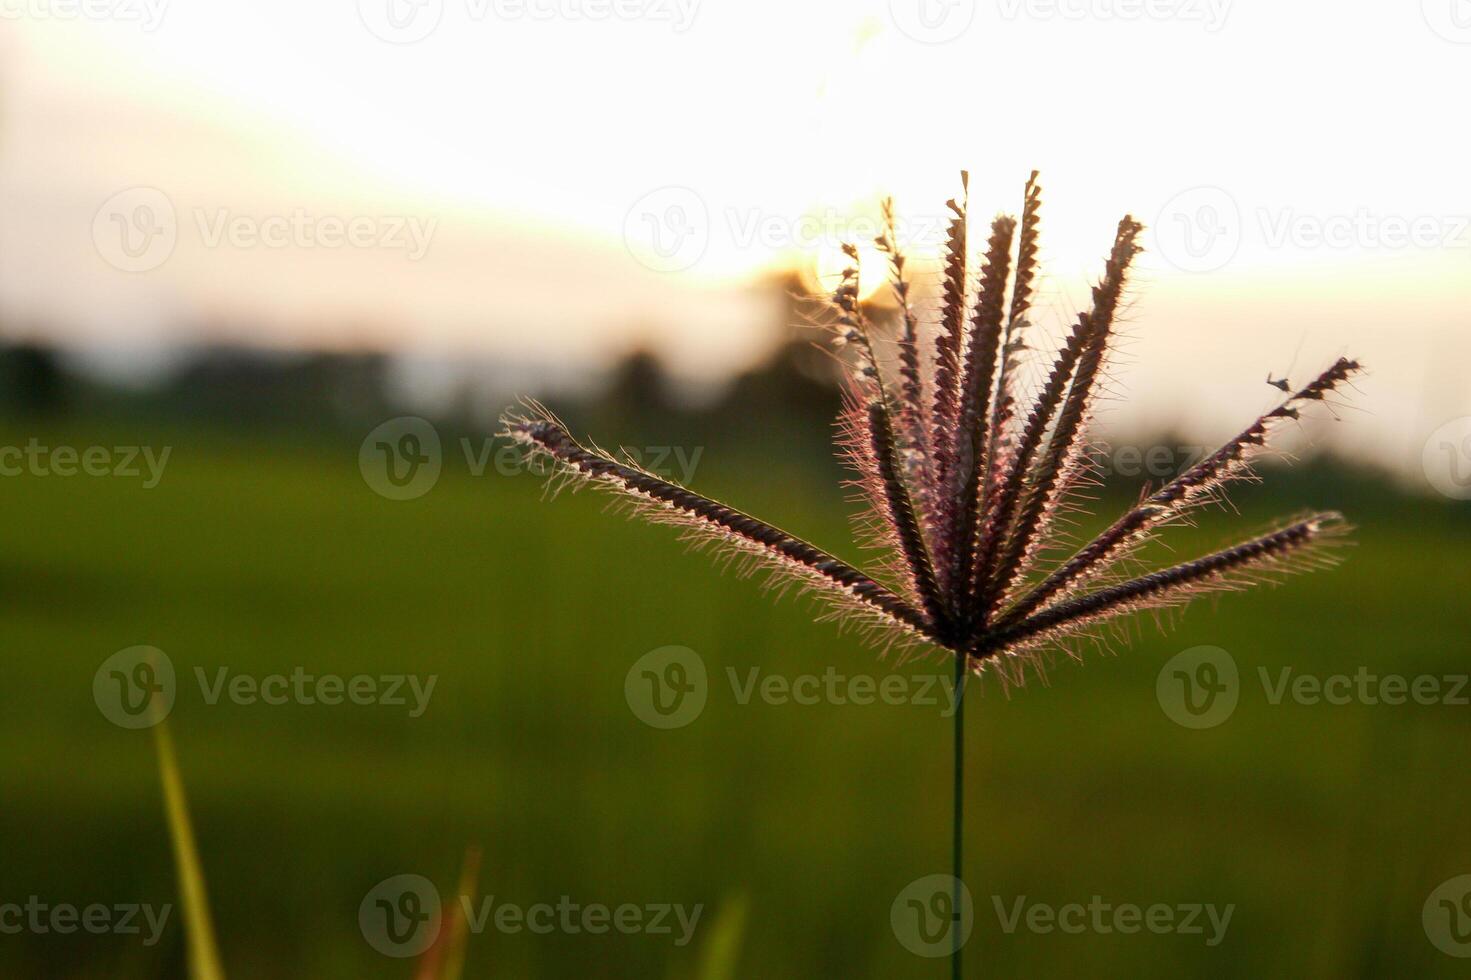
{"x": 199, "y": 932}
{"x": 959, "y": 835}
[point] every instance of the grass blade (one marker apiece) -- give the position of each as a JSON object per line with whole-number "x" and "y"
{"x": 445, "y": 959}
{"x": 723, "y": 948}
{"x": 199, "y": 932}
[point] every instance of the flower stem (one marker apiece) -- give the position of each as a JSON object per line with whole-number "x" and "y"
{"x": 955, "y": 906}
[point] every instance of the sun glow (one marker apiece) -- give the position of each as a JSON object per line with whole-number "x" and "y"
{"x": 827, "y": 264}
{"x": 529, "y": 144}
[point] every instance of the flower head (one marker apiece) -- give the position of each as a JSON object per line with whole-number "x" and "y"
{"x": 963, "y": 480}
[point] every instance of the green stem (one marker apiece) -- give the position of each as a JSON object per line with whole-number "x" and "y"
{"x": 959, "y": 835}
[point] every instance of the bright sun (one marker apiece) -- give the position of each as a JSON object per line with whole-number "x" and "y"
{"x": 829, "y": 263}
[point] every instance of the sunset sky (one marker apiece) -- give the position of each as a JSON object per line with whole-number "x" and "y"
{"x": 540, "y": 181}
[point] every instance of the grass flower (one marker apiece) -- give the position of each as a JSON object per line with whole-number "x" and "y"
{"x": 966, "y": 483}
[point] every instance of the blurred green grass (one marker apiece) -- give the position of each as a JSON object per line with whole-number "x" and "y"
{"x": 1326, "y": 826}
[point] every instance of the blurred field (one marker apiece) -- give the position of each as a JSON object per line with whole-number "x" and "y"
{"x": 1326, "y": 826}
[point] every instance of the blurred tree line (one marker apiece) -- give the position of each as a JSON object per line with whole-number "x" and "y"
{"x": 785, "y": 404}
{"x": 794, "y": 390}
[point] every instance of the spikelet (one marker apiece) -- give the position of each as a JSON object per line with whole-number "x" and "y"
{"x": 1174, "y": 586}
{"x": 1039, "y": 501}
{"x": 707, "y": 521}
{"x": 911, "y": 379}
{"x": 1200, "y": 483}
{"x": 888, "y": 519}
{"x": 944, "y": 410}
{"x": 971, "y": 439}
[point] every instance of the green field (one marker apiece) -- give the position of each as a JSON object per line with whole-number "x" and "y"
{"x": 1325, "y": 826}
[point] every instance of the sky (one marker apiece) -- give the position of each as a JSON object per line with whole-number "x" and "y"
{"x": 552, "y": 182}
